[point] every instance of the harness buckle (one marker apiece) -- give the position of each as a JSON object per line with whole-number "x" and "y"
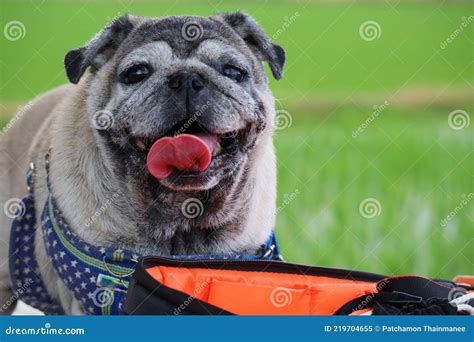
{"x": 115, "y": 274}
{"x": 30, "y": 177}
{"x": 269, "y": 251}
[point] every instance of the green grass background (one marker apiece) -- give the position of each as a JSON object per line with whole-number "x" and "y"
{"x": 408, "y": 158}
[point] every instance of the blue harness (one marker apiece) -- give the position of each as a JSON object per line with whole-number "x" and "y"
{"x": 97, "y": 276}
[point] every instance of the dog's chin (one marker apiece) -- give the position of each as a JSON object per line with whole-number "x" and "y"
{"x": 220, "y": 171}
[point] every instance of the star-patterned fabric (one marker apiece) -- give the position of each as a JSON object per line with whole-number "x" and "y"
{"x": 24, "y": 271}
{"x": 97, "y": 276}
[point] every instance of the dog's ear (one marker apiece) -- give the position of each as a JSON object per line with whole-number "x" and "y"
{"x": 248, "y": 29}
{"x": 100, "y": 49}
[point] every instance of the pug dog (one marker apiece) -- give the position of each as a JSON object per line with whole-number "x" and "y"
{"x": 159, "y": 112}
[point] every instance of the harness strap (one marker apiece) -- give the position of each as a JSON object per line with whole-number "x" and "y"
{"x": 25, "y": 275}
{"x": 98, "y": 276}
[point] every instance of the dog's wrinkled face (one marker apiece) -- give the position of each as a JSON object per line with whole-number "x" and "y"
{"x": 155, "y": 78}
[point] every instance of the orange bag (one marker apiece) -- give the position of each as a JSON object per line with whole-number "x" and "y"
{"x": 256, "y": 287}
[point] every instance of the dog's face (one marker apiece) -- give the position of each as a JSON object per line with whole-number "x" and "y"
{"x": 153, "y": 78}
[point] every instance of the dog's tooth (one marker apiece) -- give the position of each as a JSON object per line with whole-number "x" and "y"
{"x": 217, "y": 150}
{"x": 140, "y": 144}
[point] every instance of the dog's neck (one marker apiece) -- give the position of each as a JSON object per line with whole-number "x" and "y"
{"x": 86, "y": 188}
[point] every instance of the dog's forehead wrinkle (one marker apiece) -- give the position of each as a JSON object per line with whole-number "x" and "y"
{"x": 159, "y": 53}
{"x": 216, "y": 49}
{"x": 172, "y": 30}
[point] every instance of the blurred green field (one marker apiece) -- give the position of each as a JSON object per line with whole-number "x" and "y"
{"x": 325, "y": 51}
{"x": 417, "y": 168}
{"x": 408, "y": 158}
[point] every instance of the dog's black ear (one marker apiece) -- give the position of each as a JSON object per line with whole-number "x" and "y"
{"x": 251, "y": 32}
{"x": 100, "y": 49}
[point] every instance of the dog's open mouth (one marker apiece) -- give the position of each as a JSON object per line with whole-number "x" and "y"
{"x": 188, "y": 155}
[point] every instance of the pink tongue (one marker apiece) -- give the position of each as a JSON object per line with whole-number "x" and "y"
{"x": 182, "y": 152}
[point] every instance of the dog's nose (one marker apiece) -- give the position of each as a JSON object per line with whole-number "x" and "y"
{"x": 192, "y": 82}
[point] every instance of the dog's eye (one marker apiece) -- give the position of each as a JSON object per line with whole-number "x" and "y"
{"x": 135, "y": 74}
{"x": 234, "y": 73}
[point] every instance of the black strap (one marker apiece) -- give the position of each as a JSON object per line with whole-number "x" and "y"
{"x": 368, "y": 301}
{"x": 433, "y": 306}
{"x": 416, "y": 286}
{"x": 406, "y": 293}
